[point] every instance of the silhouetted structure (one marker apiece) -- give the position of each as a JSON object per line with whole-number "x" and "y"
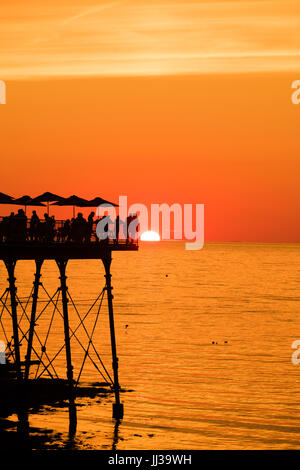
{"x": 39, "y": 240}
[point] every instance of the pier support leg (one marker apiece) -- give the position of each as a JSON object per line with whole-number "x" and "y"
{"x": 36, "y": 284}
{"x": 10, "y": 266}
{"x": 62, "y": 264}
{"x": 118, "y": 409}
{"x": 23, "y": 425}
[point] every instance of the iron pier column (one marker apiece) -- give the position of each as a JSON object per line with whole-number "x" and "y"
{"x": 118, "y": 409}
{"x": 62, "y": 264}
{"x": 36, "y": 284}
{"x": 10, "y": 266}
{"x": 21, "y": 405}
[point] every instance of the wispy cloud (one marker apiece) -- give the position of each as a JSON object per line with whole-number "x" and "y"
{"x": 88, "y": 12}
{"x": 148, "y": 37}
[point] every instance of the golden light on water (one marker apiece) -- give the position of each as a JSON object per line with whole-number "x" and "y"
{"x": 150, "y": 236}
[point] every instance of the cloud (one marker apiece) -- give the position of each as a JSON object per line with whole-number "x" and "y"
{"x": 150, "y": 37}
{"x": 90, "y": 11}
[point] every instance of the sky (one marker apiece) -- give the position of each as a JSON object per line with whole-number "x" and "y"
{"x": 163, "y": 101}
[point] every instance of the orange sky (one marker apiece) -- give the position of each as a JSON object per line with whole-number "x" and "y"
{"x": 163, "y": 101}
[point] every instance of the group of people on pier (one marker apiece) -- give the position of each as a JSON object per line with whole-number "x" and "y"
{"x": 18, "y": 228}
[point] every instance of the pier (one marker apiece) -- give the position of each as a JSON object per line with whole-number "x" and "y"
{"x": 60, "y": 247}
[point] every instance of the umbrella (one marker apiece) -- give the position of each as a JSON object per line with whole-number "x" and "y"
{"x": 26, "y": 201}
{"x": 48, "y": 197}
{"x": 98, "y": 201}
{"x": 72, "y": 201}
{"x": 5, "y": 199}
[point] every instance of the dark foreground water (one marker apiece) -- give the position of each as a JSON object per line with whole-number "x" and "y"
{"x": 204, "y": 345}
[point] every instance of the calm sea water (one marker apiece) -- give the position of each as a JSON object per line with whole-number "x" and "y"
{"x": 183, "y": 391}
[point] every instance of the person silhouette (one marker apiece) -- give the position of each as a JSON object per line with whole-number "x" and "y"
{"x": 21, "y": 225}
{"x": 34, "y": 226}
{"x": 132, "y": 227}
{"x": 80, "y": 225}
{"x": 117, "y": 229}
{"x": 90, "y": 224}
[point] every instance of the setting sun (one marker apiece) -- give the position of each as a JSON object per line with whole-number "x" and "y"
{"x": 150, "y": 236}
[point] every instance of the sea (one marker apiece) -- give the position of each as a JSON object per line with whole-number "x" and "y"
{"x": 204, "y": 341}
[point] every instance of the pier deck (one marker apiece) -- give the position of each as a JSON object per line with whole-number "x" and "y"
{"x": 31, "y": 250}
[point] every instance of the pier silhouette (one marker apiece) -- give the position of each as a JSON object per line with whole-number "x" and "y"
{"x": 20, "y": 240}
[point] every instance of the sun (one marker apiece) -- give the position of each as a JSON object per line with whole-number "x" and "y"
{"x": 150, "y": 236}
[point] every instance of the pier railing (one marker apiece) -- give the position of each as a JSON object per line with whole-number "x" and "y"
{"x": 58, "y": 232}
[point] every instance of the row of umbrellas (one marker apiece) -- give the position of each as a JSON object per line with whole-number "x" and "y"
{"x": 48, "y": 197}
